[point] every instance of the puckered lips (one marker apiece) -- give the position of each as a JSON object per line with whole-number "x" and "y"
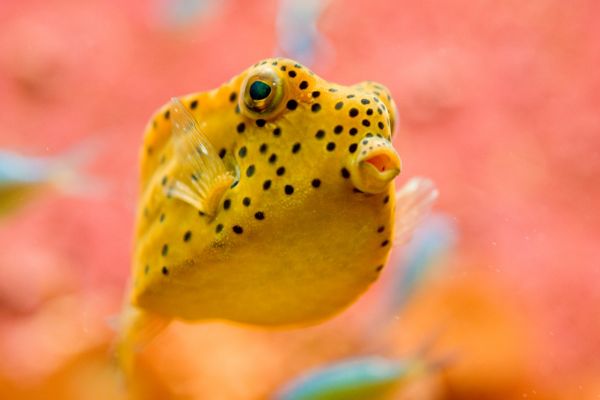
{"x": 375, "y": 165}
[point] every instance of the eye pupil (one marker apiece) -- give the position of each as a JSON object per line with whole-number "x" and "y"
{"x": 259, "y": 90}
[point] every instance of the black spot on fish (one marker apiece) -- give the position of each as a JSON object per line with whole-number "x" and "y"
{"x": 165, "y": 249}
{"x": 187, "y": 236}
{"x": 289, "y": 189}
{"x": 316, "y": 183}
{"x": 241, "y": 127}
{"x": 259, "y": 215}
{"x": 238, "y": 229}
{"x": 292, "y": 104}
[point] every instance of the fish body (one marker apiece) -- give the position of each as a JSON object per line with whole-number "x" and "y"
{"x": 361, "y": 378}
{"x": 293, "y": 240}
{"x": 269, "y": 201}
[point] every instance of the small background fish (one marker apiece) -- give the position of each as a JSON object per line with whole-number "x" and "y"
{"x": 298, "y": 34}
{"x": 358, "y": 379}
{"x": 22, "y": 177}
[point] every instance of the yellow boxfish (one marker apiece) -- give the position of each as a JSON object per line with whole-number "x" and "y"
{"x": 268, "y": 201}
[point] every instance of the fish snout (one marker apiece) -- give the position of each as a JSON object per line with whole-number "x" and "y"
{"x": 375, "y": 165}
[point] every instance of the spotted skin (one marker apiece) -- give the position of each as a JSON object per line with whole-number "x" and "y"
{"x": 293, "y": 241}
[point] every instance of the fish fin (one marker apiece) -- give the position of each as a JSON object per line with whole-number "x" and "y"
{"x": 413, "y": 202}
{"x": 201, "y": 177}
{"x": 136, "y": 329}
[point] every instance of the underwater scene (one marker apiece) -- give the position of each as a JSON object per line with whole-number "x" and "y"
{"x": 299, "y": 200}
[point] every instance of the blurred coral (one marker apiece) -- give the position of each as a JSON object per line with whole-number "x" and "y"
{"x": 499, "y": 105}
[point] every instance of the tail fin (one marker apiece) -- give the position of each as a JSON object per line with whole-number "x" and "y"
{"x": 136, "y": 329}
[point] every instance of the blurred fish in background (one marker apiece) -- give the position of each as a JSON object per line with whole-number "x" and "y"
{"x": 432, "y": 240}
{"x": 186, "y": 13}
{"x": 23, "y": 177}
{"x": 298, "y": 35}
{"x": 361, "y": 378}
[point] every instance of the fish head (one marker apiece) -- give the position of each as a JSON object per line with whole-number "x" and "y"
{"x": 347, "y": 130}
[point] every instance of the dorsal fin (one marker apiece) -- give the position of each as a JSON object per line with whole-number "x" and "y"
{"x": 201, "y": 178}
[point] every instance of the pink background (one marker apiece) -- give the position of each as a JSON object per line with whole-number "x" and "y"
{"x": 499, "y": 104}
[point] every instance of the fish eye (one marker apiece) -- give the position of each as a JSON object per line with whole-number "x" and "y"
{"x": 259, "y": 90}
{"x": 263, "y": 91}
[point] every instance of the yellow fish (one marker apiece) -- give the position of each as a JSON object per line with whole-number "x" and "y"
{"x": 268, "y": 201}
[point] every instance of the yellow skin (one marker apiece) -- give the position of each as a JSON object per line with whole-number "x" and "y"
{"x": 281, "y": 257}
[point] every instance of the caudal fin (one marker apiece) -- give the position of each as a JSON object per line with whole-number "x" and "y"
{"x": 137, "y": 328}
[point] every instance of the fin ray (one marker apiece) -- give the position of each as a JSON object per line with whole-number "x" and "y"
{"x": 201, "y": 176}
{"x": 413, "y": 203}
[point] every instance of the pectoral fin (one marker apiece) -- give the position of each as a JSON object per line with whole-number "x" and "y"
{"x": 413, "y": 202}
{"x": 201, "y": 177}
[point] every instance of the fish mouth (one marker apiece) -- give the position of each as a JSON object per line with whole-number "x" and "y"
{"x": 385, "y": 163}
{"x": 376, "y": 165}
